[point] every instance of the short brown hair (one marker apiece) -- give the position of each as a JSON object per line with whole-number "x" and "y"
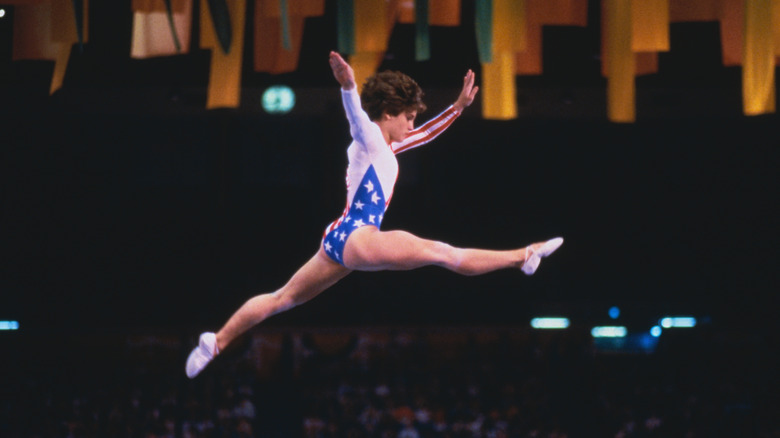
{"x": 392, "y": 92}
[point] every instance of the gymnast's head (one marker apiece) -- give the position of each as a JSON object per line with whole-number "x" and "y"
{"x": 391, "y": 92}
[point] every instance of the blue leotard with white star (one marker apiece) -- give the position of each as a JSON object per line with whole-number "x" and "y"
{"x": 372, "y": 171}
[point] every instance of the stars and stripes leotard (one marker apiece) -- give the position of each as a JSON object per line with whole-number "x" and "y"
{"x": 372, "y": 170}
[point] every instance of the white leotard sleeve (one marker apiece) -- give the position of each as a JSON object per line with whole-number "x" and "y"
{"x": 365, "y": 133}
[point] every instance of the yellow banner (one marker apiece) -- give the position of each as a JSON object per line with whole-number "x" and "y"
{"x": 650, "y": 25}
{"x": 372, "y": 25}
{"x": 499, "y": 93}
{"x": 374, "y": 21}
{"x": 621, "y": 64}
{"x": 758, "y": 66}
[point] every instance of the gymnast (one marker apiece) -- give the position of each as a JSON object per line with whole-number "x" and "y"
{"x": 381, "y": 121}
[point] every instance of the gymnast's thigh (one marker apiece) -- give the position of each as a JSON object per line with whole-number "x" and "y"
{"x": 369, "y": 249}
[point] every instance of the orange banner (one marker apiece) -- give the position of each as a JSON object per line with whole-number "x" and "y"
{"x": 152, "y": 34}
{"x": 546, "y": 12}
{"x": 295, "y": 8}
{"x": 224, "y": 90}
{"x": 730, "y": 15}
{"x": 47, "y": 30}
{"x": 374, "y": 21}
{"x": 270, "y": 56}
{"x": 440, "y": 12}
{"x": 177, "y": 6}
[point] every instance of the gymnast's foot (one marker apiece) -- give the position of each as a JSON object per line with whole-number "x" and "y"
{"x": 535, "y": 252}
{"x": 202, "y": 354}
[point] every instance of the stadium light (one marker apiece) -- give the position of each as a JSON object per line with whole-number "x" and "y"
{"x": 678, "y": 322}
{"x": 614, "y": 312}
{"x": 608, "y": 331}
{"x": 550, "y": 323}
{"x": 656, "y": 331}
{"x": 278, "y": 99}
{"x": 9, "y": 325}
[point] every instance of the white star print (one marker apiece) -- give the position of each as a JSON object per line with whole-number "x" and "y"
{"x": 374, "y": 198}
{"x": 347, "y": 219}
{"x": 380, "y": 217}
{"x": 359, "y": 205}
{"x": 371, "y": 218}
{"x": 358, "y": 223}
{"x": 342, "y": 236}
{"x": 328, "y": 246}
{"x": 369, "y": 186}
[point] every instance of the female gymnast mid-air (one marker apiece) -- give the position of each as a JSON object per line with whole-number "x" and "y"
{"x": 381, "y": 121}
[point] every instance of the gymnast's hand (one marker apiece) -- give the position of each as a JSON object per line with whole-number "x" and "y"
{"x": 467, "y": 93}
{"x": 342, "y": 71}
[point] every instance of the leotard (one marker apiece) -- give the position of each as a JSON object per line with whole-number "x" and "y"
{"x": 372, "y": 170}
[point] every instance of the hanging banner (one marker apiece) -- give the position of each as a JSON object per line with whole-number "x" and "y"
{"x": 758, "y": 67}
{"x": 650, "y": 25}
{"x": 620, "y": 62}
{"x": 546, "y": 13}
{"x": 224, "y": 89}
{"x": 345, "y": 26}
{"x": 483, "y": 25}
{"x": 48, "y": 29}
{"x": 729, "y": 14}
{"x": 270, "y": 53}
{"x": 732, "y": 25}
{"x": 160, "y": 31}
{"x": 440, "y": 12}
{"x": 499, "y": 93}
{"x": 374, "y": 21}
{"x": 422, "y": 35}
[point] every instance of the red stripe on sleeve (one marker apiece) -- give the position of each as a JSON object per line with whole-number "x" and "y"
{"x": 430, "y": 129}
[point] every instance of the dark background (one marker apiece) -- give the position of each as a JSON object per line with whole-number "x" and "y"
{"x": 127, "y": 206}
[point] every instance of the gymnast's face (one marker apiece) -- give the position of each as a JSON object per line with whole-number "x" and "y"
{"x": 397, "y": 127}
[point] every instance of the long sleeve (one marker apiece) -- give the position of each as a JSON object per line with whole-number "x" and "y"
{"x": 364, "y": 132}
{"x": 427, "y": 132}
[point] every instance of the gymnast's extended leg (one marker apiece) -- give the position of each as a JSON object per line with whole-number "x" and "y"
{"x": 318, "y": 274}
{"x": 369, "y": 249}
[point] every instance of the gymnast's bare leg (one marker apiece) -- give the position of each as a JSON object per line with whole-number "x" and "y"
{"x": 354, "y": 241}
{"x": 368, "y": 249}
{"x": 311, "y": 279}
{"x": 316, "y": 275}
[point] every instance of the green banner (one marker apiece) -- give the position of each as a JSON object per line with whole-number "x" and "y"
{"x": 483, "y": 17}
{"x": 345, "y": 23}
{"x": 285, "y": 17}
{"x": 422, "y": 36}
{"x": 169, "y": 13}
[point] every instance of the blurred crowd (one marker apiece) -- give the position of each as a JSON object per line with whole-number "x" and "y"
{"x": 394, "y": 383}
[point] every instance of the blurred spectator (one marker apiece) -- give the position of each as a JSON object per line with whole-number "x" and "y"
{"x": 406, "y": 384}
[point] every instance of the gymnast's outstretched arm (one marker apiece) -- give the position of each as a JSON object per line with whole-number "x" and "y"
{"x": 432, "y": 128}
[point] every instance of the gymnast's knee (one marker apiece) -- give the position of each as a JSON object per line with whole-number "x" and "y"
{"x": 447, "y": 254}
{"x": 282, "y": 301}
